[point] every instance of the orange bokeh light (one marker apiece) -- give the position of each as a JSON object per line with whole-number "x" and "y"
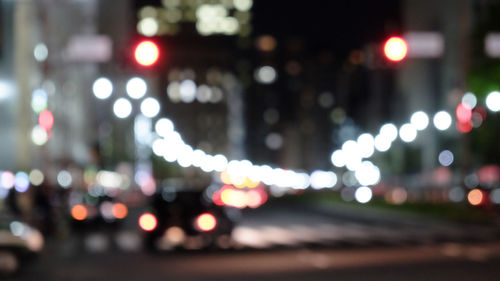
{"x": 119, "y": 210}
{"x": 79, "y": 212}
{"x": 475, "y": 197}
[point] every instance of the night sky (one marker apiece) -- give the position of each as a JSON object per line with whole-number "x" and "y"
{"x": 339, "y": 26}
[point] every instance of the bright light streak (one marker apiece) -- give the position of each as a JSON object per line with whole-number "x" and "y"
{"x": 220, "y": 162}
{"x": 323, "y": 179}
{"x": 419, "y": 120}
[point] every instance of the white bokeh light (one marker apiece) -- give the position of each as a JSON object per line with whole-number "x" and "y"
{"x": 64, "y": 179}
{"x": 39, "y": 136}
{"x": 367, "y": 173}
{"x": 470, "y": 99}
{"x": 122, "y": 108}
{"x": 136, "y": 87}
{"x": 265, "y": 74}
{"x": 493, "y": 101}
{"x": 187, "y": 90}
{"x": 407, "y": 133}
{"x": 41, "y": 52}
{"x": 150, "y": 107}
{"x": 445, "y": 158}
{"x": 389, "y": 131}
{"x": 338, "y": 158}
{"x": 419, "y": 120}
{"x": 164, "y": 127}
{"x": 442, "y": 120}
{"x": 366, "y": 145}
{"x": 363, "y": 194}
{"x": 102, "y": 88}
{"x": 323, "y": 179}
{"x": 382, "y": 143}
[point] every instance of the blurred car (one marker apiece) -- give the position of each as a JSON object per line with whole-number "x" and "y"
{"x": 186, "y": 219}
{"x": 18, "y": 242}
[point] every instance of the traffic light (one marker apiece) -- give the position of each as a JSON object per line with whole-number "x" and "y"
{"x": 395, "y": 49}
{"x": 146, "y": 53}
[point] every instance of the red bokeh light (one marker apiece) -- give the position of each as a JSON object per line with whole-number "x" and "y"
{"x": 395, "y": 49}
{"x": 464, "y": 113}
{"x": 464, "y": 127}
{"x": 146, "y": 53}
{"x": 46, "y": 120}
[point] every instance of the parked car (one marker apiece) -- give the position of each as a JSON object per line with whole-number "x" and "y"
{"x": 18, "y": 242}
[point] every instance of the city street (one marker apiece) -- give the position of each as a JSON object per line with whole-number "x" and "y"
{"x": 249, "y": 140}
{"x": 438, "y": 262}
{"x": 293, "y": 242}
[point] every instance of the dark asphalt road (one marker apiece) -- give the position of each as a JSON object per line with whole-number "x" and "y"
{"x": 293, "y": 243}
{"x": 440, "y": 262}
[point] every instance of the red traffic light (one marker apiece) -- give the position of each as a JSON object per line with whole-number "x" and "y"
{"x": 395, "y": 49}
{"x": 146, "y": 53}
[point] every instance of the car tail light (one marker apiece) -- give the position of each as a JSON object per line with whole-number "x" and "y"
{"x": 206, "y": 222}
{"x": 148, "y": 222}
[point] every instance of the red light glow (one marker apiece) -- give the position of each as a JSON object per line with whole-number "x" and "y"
{"x": 146, "y": 53}
{"x": 46, "y": 120}
{"x": 464, "y": 127}
{"x": 464, "y": 113}
{"x": 395, "y": 49}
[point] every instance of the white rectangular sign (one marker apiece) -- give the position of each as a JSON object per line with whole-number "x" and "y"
{"x": 89, "y": 48}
